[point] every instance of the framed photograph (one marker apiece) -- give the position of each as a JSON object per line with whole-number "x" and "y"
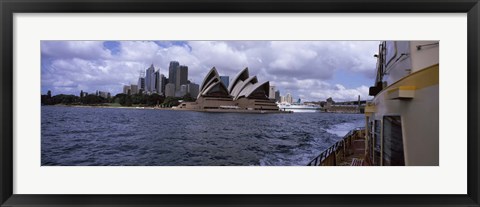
{"x": 265, "y": 103}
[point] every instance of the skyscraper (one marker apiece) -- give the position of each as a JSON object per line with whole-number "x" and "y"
{"x": 277, "y": 96}
{"x": 156, "y": 82}
{"x": 225, "y": 80}
{"x": 126, "y": 90}
{"x": 271, "y": 92}
{"x": 193, "y": 89}
{"x": 163, "y": 83}
{"x": 183, "y": 91}
{"x": 134, "y": 89}
{"x": 170, "y": 90}
{"x": 149, "y": 77}
{"x": 172, "y": 71}
{"x": 141, "y": 84}
{"x": 181, "y": 76}
{"x": 289, "y": 98}
{"x": 160, "y": 82}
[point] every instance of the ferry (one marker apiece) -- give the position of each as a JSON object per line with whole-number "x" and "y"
{"x": 402, "y": 120}
{"x": 297, "y": 107}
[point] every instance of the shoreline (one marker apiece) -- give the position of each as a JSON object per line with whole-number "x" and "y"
{"x": 111, "y": 107}
{"x": 196, "y": 110}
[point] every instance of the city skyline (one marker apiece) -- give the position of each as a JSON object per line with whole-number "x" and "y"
{"x": 310, "y": 70}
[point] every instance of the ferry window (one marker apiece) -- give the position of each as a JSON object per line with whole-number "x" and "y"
{"x": 377, "y": 148}
{"x": 393, "y": 141}
{"x": 391, "y": 52}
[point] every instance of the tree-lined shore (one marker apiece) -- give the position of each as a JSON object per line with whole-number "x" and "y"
{"x": 119, "y": 100}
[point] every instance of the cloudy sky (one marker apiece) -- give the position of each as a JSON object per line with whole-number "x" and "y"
{"x": 310, "y": 70}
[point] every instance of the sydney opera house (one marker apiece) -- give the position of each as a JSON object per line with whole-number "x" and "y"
{"x": 245, "y": 93}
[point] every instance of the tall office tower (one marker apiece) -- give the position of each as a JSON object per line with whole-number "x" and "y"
{"x": 126, "y": 90}
{"x": 193, "y": 89}
{"x": 271, "y": 92}
{"x": 133, "y": 89}
{"x": 156, "y": 82}
{"x": 277, "y": 96}
{"x": 225, "y": 80}
{"x": 163, "y": 82}
{"x": 170, "y": 90}
{"x": 183, "y": 91}
{"x": 289, "y": 98}
{"x": 159, "y": 83}
{"x": 181, "y": 76}
{"x": 172, "y": 71}
{"x": 148, "y": 78}
{"x": 141, "y": 84}
{"x": 103, "y": 94}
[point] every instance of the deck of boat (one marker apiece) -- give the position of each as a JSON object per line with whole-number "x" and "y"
{"x": 350, "y": 151}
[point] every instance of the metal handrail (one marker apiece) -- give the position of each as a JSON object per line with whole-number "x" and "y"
{"x": 334, "y": 148}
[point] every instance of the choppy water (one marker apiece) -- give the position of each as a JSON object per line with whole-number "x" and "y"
{"x": 105, "y": 136}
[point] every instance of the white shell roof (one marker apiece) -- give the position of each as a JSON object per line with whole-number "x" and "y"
{"x": 241, "y": 76}
{"x": 241, "y": 88}
{"x": 250, "y": 89}
{"x": 205, "y": 92}
{"x": 206, "y": 80}
{"x": 242, "y": 85}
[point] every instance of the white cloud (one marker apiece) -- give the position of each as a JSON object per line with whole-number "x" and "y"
{"x": 74, "y": 49}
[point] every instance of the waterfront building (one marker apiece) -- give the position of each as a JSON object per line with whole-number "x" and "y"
{"x": 172, "y": 71}
{"x": 271, "y": 92}
{"x": 277, "y": 96}
{"x": 141, "y": 84}
{"x": 160, "y": 83}
{"x": 225, "y": 80}
{"x": 134, "y": 89}
{"x": 183, "y": 91}
{"x": 244, "y": 93}
{"x": 156, "y": 82}
{"x": 163, "y": 82}
{"x": 170, "y": 90}
{"x": 193, "y": 89}
{"x": 149, "y": 77}
{"x": 181, "y": 76}
{"x": 104, "y": 94}
{"x": 126, "y": 89}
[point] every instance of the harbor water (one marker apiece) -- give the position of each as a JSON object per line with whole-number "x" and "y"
{"x": 83, "y": 136}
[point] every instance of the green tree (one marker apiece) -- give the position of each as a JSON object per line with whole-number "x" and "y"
{"x": 123, "y": 99}
{"x": 93, "y": 100}
{"x": 188, "y": 97}
{"x": 171, "y": 101}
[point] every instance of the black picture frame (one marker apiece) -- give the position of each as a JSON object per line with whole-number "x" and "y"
{"x": 10, "y": 7}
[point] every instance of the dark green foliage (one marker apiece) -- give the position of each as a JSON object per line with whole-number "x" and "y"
{"x": 123, "y": 99}
{"x": 154, "y": 100}
{"x": 92, "y": 99}
{"x": 65, "y": 99}
{"x": 188, "y": 98}
{"x": 171, "y": 101}
{"x": 60, "y": 99}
